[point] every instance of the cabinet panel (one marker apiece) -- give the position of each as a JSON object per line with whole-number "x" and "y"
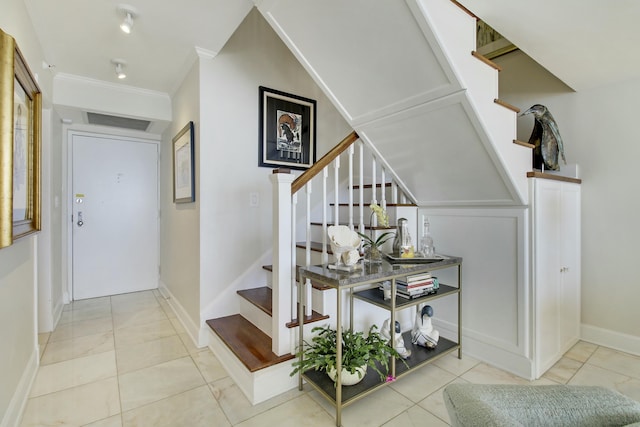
{"x": 555, "y": 270}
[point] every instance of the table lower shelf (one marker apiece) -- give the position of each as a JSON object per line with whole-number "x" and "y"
{"x": 371, "y": 381}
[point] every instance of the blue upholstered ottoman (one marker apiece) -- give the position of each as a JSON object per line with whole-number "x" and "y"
{"x": 546, "y": 405}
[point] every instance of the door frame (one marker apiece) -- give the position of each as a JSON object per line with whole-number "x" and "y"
{"x": 67, "y": 206}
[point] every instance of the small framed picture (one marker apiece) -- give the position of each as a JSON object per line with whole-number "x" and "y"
{"x": 287, "y": 130}
{"x": 184, "y": 187}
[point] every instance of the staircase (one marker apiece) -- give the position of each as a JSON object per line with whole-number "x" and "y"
{"x": 438, "y": 137}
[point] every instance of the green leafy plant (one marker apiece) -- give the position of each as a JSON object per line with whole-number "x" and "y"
{"x": 381, "y": 240}
{"x": 383, "y": 221}
{"x": 357, "y": 350}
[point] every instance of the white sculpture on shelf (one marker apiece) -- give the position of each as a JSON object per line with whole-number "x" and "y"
{"x": 344, "y": 244}
{"x": 398, "y": 341}
{"x": 423, "y": 333}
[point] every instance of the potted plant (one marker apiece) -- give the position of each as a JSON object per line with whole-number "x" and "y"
{"x": 358, "y": 353}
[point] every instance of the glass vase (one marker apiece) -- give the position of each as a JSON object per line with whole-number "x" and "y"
{"x": 373, "y": 255}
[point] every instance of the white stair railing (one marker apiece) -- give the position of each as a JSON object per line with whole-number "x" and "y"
{"x": 300, "y": 220}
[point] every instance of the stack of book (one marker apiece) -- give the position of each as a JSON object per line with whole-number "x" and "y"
{"x": 417, "y": 285}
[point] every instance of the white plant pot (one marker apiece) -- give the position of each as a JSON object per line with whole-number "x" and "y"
{"x": 347, "y": 377}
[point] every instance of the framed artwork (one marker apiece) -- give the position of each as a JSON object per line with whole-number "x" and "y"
{"x": 20, "y": 134}
{"x": 490, "y": 43}
{"x": 184, "y": 184}
{"x": 287, "y": 130}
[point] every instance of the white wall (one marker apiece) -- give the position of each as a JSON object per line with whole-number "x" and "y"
{"x": 18, "y": 263}
{"x": 599, "y": 130}
{"x": 180, "y": 223}
{"x": 235, "y": 239}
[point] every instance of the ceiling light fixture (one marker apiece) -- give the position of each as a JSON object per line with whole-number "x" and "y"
{"x": 129, "y": 14}
{"x": 119, "y": 63}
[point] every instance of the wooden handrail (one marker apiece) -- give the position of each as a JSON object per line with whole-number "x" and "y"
{"x": 315, "y": 169}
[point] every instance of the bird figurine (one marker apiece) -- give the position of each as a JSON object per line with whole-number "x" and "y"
{"x": 398, "y": 343}
{"x": 423, "y": 332}
{"x": 546, "y": 139}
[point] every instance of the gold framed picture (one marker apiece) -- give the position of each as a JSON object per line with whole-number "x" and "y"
{"x": 20, "y": 136}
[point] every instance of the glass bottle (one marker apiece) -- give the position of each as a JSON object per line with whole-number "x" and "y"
{"x": 427, "y": 250}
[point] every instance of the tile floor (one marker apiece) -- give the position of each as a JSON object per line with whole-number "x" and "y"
{"x": 126, "y": 361}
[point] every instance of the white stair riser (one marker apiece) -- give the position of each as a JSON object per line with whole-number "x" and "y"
{"x": 256, "y": 316}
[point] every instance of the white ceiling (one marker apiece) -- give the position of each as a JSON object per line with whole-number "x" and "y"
{"x": 80, "y": 37}
{"x": 585, "y": 43}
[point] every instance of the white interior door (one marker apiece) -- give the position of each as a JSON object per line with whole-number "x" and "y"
{"x": 115, "y": 215}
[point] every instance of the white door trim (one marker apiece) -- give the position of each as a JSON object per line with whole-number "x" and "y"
{"x": 67, "y": 231}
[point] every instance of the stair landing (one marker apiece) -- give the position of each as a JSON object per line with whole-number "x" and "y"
{"x": 247, "y": 342}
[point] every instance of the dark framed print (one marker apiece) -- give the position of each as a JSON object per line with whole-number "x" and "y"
{"x": 287, "y": 130}
{"x": 184, "y": 187}
{"x": 20, "y": 135}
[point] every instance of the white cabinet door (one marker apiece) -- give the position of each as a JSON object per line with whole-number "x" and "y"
{"x": 556, "y": 270}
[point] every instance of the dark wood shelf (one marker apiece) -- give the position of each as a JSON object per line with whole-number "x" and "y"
{"x": 374, "y": 296}
{"x": 371, "y": 381}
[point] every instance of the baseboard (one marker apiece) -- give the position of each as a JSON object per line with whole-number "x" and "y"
{"x": 21, "y": 395}
{"x": 192, "y": 329}
{"x": 612, "y": 339}
{"x": 488, "y": 352}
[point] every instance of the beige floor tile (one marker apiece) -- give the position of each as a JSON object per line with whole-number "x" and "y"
{"x": 85, "y": 313}
{"x": 133, "y": 298}
{"x": 594, "y": 375}
{"x": 76, "y": 406}
{"x": 177, "y": 325}
{"x": 125, "y": 337}
{"x": 299, "y": 412}
{"x": 563, "y": 370}
{"x": 43, "y": 338}
{"x": 237, "y": 407}
{"x": 485, "y": 374}
{"x": 451, "y": 363}
{"x": 115, "y": 421}
{"x": 372, "y": 410}
{"x": 59, "y": 351}
{"x": 158, "y": 382}
{"x": 167, "y": 308}
{"x": 434, "y": 403}
{"x": 149, "y": 353}
{"x": 88, "y": 304}
{"x": 189, "y": 344}
{"x": 193, "y": 408}
{"x": 143, "y": 316}
{"x": 80, "y": 329}
{"x": 209, "y": 366}
{"x": 616, "y": 361}
{"x": 414, "y": 417}
{"x": 581, "y": 352}
{"x": 74, "y": 372}
{"x": 420, "y": 383}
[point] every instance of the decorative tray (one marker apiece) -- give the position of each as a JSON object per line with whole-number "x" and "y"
{"x": 415, "y": 260}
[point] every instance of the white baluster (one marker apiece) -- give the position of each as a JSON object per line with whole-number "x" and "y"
{"x": 325, "y": 176}
{"x": 336, "y": 178}
{"x": 294, "y": 209}
{"x": 361, "y": 171}
{"x": 394, "y": 192}
{"x": 350, "y": 154}
{"x": 383, "y": 192}
{"x": 307, "y": 253}
{"x": 374, "y": 220}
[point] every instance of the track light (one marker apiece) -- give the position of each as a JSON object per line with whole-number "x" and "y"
{"x": 127, "y": 24}
{"x": 129, "y": 14}
{"x": 119, "y": 63}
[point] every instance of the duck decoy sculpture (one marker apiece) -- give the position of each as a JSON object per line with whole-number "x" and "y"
{"x": 545, "y": 138}
{"x": 423, "y": 333}
{"x": 398, "y": 343}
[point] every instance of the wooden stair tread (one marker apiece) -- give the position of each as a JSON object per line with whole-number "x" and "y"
{"x": 247, "y": 342}
{"x": 486, "y": 60}
{"x": 366, "y": 227}
{"x": 506, "y": 105}
{"x": 260, "y": 297}
{"x": 313, "y": 284}
{"x": 389, "y": 205}
{"x": 315, "y": 317}
{"x": 524, "y": 144}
